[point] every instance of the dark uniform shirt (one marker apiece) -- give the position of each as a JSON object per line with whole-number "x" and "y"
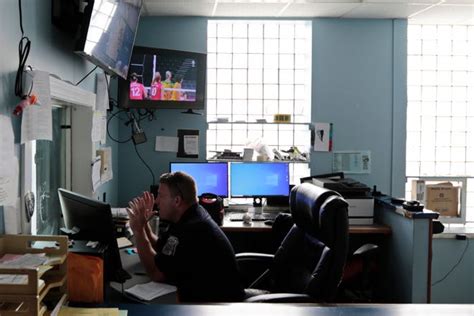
{"x": 195, "y": 254}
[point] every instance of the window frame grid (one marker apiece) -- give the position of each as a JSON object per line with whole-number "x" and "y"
{"x": 419, "y": 115}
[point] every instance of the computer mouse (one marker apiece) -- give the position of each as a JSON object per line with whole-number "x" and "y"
{"x": 268, "y": 222}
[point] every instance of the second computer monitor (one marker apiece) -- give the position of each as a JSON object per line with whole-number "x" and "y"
{"x": 209, "y": 177}
{"x": 255, "y": 179}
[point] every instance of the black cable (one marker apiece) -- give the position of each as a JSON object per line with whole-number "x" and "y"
{"x": 83, "y": 78}
{"x": 455, "y": 266}
{"x": 146, "y": 165}
{"x": 23, "y": 51}
{"x": 108, "y": 132}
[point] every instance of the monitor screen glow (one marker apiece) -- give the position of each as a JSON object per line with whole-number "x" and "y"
{"x": 266, "y": 179}
{"x": 209, "y": 177}
{"x": 164, "y": 79}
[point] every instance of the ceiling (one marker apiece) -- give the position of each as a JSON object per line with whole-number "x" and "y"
{"x": 417, "y": 11}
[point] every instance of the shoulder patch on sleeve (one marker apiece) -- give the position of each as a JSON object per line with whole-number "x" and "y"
{"x": 170, "y": 247}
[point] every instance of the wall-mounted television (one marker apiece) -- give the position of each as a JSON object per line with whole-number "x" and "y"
{"x": 164, "y": 79}
{"x": 107, "y": 34}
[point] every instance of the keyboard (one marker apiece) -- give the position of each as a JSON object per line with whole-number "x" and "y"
{"x": 259, "y": 217}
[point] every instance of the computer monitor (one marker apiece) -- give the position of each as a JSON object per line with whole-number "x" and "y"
{"x": 210, "y": 177}
{"x": 94, "y": 221}
{"x": 259, "y": 179}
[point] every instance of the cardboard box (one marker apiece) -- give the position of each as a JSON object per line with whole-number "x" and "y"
{"x": 442, "y": 198}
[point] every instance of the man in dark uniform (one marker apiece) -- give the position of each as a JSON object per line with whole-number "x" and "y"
{"x": 193, "y": 252}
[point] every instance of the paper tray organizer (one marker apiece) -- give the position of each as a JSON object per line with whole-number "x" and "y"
{"x": 45, "y": 289}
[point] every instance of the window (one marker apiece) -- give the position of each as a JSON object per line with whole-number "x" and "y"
{"x": 46, "y": 170}
{"x": 256, "y": 69}
{"x": 440, "y": 113}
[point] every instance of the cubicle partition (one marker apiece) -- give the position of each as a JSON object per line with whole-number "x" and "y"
{"x": 406, "y": 258}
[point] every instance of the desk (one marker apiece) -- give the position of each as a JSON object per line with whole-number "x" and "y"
{"x": 258, "y": 237}
{"x": 131, "y": 263}
{"x": 239, "y": 226}
{"x": 238, "y": 309}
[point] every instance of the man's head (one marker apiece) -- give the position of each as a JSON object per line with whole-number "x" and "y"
{"x": 134, "y": 77}
{"x": 177, "y": 192}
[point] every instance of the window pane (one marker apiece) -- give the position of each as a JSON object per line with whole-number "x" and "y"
{"x": 270, "y": 75}
{"x": 239, "y": 61}
{"x": 224, "y": 45}
{"x": 224, "y": 76}
{"x": 252, "y": 74}
{"x": 255, "y": 91}
{"x": 440, "y": 118}
{"x": 255, "y": 76}
{"x": 239, "y": 76}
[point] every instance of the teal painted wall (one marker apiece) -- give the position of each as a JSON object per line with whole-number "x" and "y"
{"x": 458, "y": 287}
{"x": 51, "y": 51}
{"x": 172, "y": 33}
{"x": 358, "y": 83}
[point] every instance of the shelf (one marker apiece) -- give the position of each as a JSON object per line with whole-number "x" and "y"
{"x": 240, "y": 160}
{"x": 45, "y": 282}
{"x": 258, "y": 123}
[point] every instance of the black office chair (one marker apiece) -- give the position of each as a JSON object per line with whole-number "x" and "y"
{"x": 309, "y": 263}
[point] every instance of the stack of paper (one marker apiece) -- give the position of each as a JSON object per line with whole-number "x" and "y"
{"x": 150, "y": 290}
{"x": 70, "y": 311}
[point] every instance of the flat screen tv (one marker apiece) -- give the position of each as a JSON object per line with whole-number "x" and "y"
{"x": 107, "y": 34}
{"x": 164, "y": 79}
{"x": 210, "y": 177}
{"x": 259, "y": 179}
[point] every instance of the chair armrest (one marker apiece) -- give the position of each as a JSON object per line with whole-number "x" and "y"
{"x": 254, "y": 256}
{"x": 366, "y": 249}
{"x": 281, "y": 298}
{"x": 252, "y": 266}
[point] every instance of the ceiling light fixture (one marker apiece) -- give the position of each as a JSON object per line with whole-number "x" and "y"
{"x": 214, "y": 8}
{"x": 284, "y": 8}
{"x": 426, "y": 9}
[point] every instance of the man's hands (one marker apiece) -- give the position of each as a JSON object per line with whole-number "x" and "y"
{"x": 140, "y": 210}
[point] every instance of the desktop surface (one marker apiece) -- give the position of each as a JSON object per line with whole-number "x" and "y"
{"x": 299, "y": 309}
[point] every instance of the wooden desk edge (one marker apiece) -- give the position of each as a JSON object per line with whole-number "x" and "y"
{"x": 261, "y": 227}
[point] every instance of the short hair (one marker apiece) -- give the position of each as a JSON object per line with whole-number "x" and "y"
{"x": 182, "y": 184}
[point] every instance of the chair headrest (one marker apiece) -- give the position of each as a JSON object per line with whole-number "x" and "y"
{"x": 306, "y": 200}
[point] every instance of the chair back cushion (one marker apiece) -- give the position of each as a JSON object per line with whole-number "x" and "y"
{"x": 305, "y": 202}
{"x": 311, "y": 258}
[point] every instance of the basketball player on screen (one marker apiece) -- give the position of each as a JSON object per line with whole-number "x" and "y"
{"x": 167, "y": 86}
{"x": 137, "y": 90}
{"x": 156, "y": 87}
{"x": 177, "y": 89}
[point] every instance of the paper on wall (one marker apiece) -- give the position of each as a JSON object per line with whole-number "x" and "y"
{"x": 12, "y": 218}
{"x": 167, "y": 143}
{"x": 102, "y": 93}
{"x": 322, "y": 137}
{"x": 9, "y": 177}
{"x": 41, "y": 87}
{"x": 37, "y": 119}
{"x": 96, "y": 173}
{"x": 106, "y": 173}
{"x": 191, "y": 143}
{"x": 355, "y": 161}
{"x": 7, "y": 140}
{"x": 99, "y": 127}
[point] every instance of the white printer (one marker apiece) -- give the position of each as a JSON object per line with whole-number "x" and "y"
{"x": 357, "y": 195}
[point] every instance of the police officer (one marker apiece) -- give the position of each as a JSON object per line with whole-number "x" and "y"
{"x": 193, "y": 253}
